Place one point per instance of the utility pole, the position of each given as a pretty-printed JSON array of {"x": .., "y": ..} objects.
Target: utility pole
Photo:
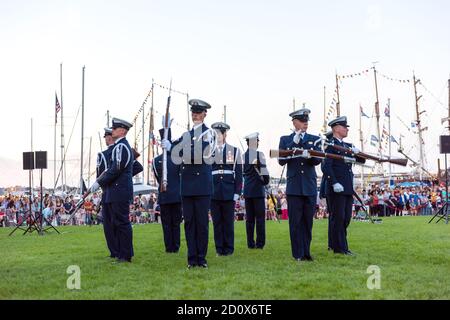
[
  {"x": 225, "y": 114},
  {"x": 419, "y": 125}
]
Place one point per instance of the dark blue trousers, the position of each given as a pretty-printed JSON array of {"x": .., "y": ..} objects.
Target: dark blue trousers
[
  {"x": 341, "y": 209},
  {"x": 196, "y": 227},
  {"x": 171, "y": 220},
  {"x": 120, "y": 212},
  {"x": 255, "y": 212},
  {"x": 301, "y": 213},
  {"x": 330, "y": 221},
  {"x": 223, "y": 220},
  {"x": 108, "y": 229}
]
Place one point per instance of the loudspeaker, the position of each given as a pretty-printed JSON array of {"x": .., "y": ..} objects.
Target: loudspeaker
[
  {"x": 28, "y": 160},
  {"x": 444, "y": 143},
  {"x": 41, "y": 159}
]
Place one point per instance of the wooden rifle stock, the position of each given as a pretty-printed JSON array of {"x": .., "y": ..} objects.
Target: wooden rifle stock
[
  {"x": 397, "y": 161},
  {"x": 313, "y": 153}
]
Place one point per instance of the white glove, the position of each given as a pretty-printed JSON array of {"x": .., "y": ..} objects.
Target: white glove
[
  {"x": 338, "y": 188},
  {"x": 166, "y": 144},
  {"x": 95, "y": 186},
  {"x": 236, "y": 197},
  {"x": 349, "y": 160},
  {"x": 355, "y": 150},
  {"x": 305, "y": 154},
  {"x": 164, "y": 121}
]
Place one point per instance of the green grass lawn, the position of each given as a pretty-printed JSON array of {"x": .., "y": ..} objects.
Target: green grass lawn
[{"x": 413, "y": 256}]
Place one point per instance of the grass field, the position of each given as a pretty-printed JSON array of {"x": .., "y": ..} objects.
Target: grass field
[{"x": 413, "y": 257}]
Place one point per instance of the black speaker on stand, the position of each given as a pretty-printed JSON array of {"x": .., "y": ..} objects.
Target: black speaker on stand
[
  {"x": 35, "y": 160},
  {"x": 28, "y": 164},
  {"x": 444, "y": 144}
]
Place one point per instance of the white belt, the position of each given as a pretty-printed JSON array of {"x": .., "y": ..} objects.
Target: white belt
[{"x": 222, "y": 172}]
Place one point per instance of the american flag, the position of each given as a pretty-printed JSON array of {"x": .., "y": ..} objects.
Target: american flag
[{"x": 57, "y": 107}]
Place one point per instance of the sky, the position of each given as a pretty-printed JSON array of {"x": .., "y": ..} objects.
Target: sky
[{"x": 255, "y": 57}]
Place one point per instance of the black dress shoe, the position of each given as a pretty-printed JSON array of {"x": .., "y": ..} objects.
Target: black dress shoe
[
  {"x": 121, "y": 261},
  {"x": 349, "y": 253},
  {"x": 204, "y": 265},
  {"x": 190, "y": 266},
  {"x": 308, "y": 258}
]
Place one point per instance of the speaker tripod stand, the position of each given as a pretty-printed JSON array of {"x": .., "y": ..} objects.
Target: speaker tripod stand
[{"x": 443, "y": 212}]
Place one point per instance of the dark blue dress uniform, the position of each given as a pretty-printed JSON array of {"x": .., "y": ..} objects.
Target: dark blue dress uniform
[
  {"x": 103, "y": 163},
  {"x": 194, "y": 150},
  {"x": 256, "y": 177},
  {"x": 301, "y": 192},
  {"x": 322, "y": 195},
  {"x": 227, "y": 181},
  {"x": 118, "y": 181},
  {"x": 169, "y": 201},
  {"x": 336, "y": 171}
]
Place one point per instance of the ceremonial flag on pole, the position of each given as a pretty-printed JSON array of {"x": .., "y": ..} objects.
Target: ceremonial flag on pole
[
  {"x": 393, "y": 140},
  {"x": 387, "y": 112},
  {"x": 373, "y": 140},
  {"x": 363, "y": 114},
  {"x": 57, "y": 107}
]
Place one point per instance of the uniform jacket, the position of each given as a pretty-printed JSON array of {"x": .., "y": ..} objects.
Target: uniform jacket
[
  {"x": 301, "y": 173},
  {"x": 196, "y": 176},
  {"x": 227, "y": 173},
  {"x": 336, "y": 171},
  {"x": 172, "y": 194},
  {"x": 118, "y": 176},
  {"x": 254, "y": 182}
]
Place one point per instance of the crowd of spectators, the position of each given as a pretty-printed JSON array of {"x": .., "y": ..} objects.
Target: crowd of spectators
[{"x": 378, "y": 200}]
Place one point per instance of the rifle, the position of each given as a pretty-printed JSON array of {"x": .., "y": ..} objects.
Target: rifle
[
  {"x": 78, "y": 205},
  {"x": 313, "y": 153},
  {"x": 397, "y": 161},
  {"x": 166, "y": 134},
  {"x": 362, "y": 205}
]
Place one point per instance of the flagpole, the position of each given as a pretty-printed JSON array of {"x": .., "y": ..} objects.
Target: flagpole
[
  {"x": 390, "y": 140},
  {"x": 362, "y": 143},
  {"x": 150, "y": 149},
  {"x": 324, "y": 109},
  {"x": 54, "y": 147},
  {"x": 89, "y": 164},
  {"x": 82, "y": 130},
  {"x": 62, "y": 132},
  {"x": 338, "y": 103},
  {"x": 143, "y": 141}
]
